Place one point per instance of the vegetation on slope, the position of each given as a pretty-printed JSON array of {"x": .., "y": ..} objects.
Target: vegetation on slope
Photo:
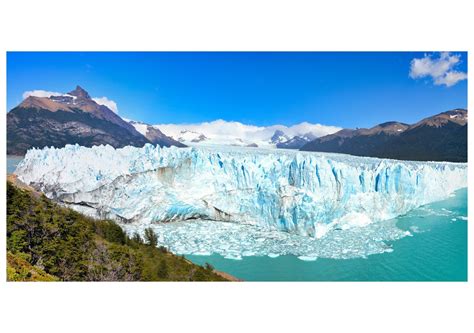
[
  {"x": 47, "y": 242},
  {"x": 18, "y": 269}
]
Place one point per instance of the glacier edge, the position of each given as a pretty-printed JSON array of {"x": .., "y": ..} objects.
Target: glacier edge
[{"x": 305, "y": 193}]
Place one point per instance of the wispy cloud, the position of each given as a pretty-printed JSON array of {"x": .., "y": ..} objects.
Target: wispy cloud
[
  {"x": 107, "y": 102},
  {"x": 40, "y": 93},
  {"x": 441, "y": 68}
]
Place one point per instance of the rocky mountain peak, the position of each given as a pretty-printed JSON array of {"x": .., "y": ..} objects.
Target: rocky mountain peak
[
  {"x": 79, "y": 92},
  {"x": 456, "y": 116},
  {"x": 278, "y": 137}
]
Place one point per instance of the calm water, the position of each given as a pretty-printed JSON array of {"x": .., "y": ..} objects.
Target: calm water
[
  {"x": 12, "y": 162},
  {"x": 437, "y": 251}
]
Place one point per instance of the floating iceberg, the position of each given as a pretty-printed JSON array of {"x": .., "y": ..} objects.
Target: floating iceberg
[{"x": 302, "y": 193}]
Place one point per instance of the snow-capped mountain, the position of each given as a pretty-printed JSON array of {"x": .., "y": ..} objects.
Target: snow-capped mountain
[
  {"x": 232, "y": 133},
  {"x": 279, "y": 137},
  {"x": 154, "y": 135},
  {"x": 191, "y": 136},
  {"x": 297, "y": 142}
]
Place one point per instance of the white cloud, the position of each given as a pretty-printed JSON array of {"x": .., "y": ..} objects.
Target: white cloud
[
  {"x": 451, "y": 78},
  {"x": 107, "y": 102},
  {"x": 229, "y": 132},
  {"x": 40, "y": 93},
  {"x": 440, "y": 68}
]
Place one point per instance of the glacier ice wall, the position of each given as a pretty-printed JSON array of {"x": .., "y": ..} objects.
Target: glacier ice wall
[{"x": 301, "y": 192}]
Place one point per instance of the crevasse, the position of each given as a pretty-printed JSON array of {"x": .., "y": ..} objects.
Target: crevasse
[{"x": 299, "y": 192}]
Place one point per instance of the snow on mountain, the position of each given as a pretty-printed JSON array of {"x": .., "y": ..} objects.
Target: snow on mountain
[
  {"x": 141, "y": 128},
  {"x": 153, "y": 134},
  {"x": 191, "y": 136},
  {"x": 303, "y": 193},
  {"x": 279, "y": 137},
  {"x": 221, "y": 132}
]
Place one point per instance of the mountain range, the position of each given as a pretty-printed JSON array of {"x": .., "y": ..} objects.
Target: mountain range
[
  {"x": 75, "y": 117},
  {"x": 72, "y": 118},
  {"x": 442, "y": 137},
  {"x": 233, "y": 133}
]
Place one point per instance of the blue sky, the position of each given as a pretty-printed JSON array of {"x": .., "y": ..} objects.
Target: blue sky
[{"x": 346, "y": 89}]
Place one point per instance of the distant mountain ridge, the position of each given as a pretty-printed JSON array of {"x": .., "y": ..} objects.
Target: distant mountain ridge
[
  {"x": 234, "y": 133},
  {"x": 68, "y": 119},
  {"x": 442, "y": 137},
  {"x": 154, "y": 135}
]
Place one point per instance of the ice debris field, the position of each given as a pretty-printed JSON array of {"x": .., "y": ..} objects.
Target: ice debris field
[{"x": 239, "y": 201}]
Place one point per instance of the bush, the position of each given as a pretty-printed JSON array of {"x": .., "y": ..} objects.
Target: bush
[
  {"x": 162, "y": 249},
  {"x": 110, "y": 231},
  {"x": 208, "y": 267}
]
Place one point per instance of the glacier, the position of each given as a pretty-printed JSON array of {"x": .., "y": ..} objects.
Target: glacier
[{"x": 306, "y": 195}]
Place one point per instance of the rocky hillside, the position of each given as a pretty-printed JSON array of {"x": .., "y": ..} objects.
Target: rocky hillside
[
  {"x": 442, "y": 137},
  {"x": 68, "y": 119}
]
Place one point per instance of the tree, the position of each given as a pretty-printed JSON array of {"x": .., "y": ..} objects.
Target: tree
[
  {"x": 150, "y": 237},
  {"x": 137, "y": 239}
]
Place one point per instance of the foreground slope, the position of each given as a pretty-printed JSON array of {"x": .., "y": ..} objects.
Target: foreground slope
[
  {"x": 442, "y": 137},
  {"x": 46, "y": 242}
]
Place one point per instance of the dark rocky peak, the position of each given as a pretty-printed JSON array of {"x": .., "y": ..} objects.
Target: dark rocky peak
[
  {"x": 79, "y": 93},
  {"x": 389, "y": 127},
  {"x": 456, "y": 116},
  {"x": 279, "y": 136},
  {"x": 392, "y": 124},
  {"x": 309, "y": 136}
]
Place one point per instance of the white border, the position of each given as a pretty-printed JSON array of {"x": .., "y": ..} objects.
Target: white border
[{"x": 234, "y": 25}]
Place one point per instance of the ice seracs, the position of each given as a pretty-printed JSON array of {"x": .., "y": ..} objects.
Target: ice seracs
[{"x": 304, "y": 193}]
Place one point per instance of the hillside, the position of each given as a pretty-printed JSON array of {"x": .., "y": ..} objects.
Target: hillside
[
  {"x": 46, "y": 242},
  {"x": 442, "y": 137}
]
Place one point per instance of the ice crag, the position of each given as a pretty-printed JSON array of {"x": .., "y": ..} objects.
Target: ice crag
[{"x": 304, "y": 193}]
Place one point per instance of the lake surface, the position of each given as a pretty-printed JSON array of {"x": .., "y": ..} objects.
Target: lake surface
[
  {"x": 12, "y": 162},
  {"x": 435, "y": 251}
]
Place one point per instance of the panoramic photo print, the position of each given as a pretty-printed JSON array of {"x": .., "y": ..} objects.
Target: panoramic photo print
[{"x": 237, "y": 166}]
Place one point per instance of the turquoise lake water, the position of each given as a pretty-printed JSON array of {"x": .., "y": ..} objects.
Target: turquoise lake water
[
  {"x": 436, "y": 251},
  {"x": 12, "y": 162}
]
